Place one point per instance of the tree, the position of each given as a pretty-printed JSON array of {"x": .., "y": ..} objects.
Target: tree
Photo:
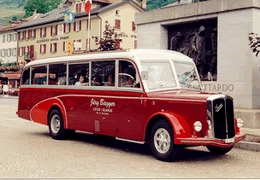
[{"x": 43, "y": 6}]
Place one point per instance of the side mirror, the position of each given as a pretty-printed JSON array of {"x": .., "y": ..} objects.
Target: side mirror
[{"x": 144, "y": 75}]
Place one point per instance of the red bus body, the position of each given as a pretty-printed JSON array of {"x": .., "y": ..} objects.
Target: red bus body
[{"x": 127, "y": 115}]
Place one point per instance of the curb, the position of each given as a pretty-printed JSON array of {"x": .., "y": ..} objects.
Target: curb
[
  {"x": 252, "y": 146},
  {"x": 9, "y": 97},
  {"x": 251, "y": 142}
]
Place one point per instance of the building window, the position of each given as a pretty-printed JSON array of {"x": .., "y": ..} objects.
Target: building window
[
  {"x": 54, "y": 30},
  {"x": 77, "y": 26},
  {"x": 117, "y": 12},
  {"x": 133, "y": 26},
  {"x": 67, "y": 27},
  {"x": 43, "y": 48},
  {"x": 14, "y": 52},
  {"x": 53, "y": 47},
  {"x": 9, "y": 37},
  {"x": 20, "y": 51},
  {"x": 78, "y": 7},
  {"x": 27, "y": 35},
  {"x": 15, "y": 37},
  {"x": 21, "y": 36},
  {"x": 3, "y": 53},
  {"x": 117, "y": 24},
  {"x": 3, "y": 38},
  {"x": 43, "y": 32},
  {"x": 8, "y": 52},
  {"x": 33, "y": 34}
]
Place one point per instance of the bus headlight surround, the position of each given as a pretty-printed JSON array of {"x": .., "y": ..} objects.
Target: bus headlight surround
[{"x": 197, "y": 126}]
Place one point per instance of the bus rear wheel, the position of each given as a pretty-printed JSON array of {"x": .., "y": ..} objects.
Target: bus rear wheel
[
  {"x": 56, "y": 126},
  {"x": 162, "y": 141}
]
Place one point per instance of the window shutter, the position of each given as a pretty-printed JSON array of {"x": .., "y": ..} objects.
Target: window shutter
[
  {"x": 45, "y": 31},
  {"x": 133, "y": 26},
  {"x": 69, "y": 27},
  {"x": 79, "y": 42},
  {"x": 18, "y": 51},
  {"x": 80, "y": 7},
  {"x": 79, "y": 25},
  {"x": 51, "y": 48},
  {"x": 64, "y": 46},
  {"x": 40, "y": 32},
  {"x": 44, "y": 48},
  {"x": 64, "y": 28},
  {"x": 18, "y": 36},
  {"x": 55, "y": 44},
  {"x": 73, "y": 45},
  {"x": 23, "y": 50},
  {"x": 75, "y": 26},
  {"x": 40, "y": 48},
  {"x": 135, "y": 44},
  {"x": 34, "y": 33},
  {"x": 56, "y": 29},
  {"x": 77, "y": 7},
  {"x": 51, "y": 30},
  {"x": 117, "y": 24}
]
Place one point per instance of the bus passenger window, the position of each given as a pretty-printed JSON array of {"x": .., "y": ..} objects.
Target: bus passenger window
[
  {"x": 79, "y": 74},
  {"x": 26, "y": 77},
  {"x": 39, "y": 75},
  {"x": 57, "y": 74},
  {"x": 103, "y": 73},
  {"x": 127, "y": 76}
]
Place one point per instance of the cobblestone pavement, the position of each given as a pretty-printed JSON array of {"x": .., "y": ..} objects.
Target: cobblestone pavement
[{"x": 27, "y": 150}]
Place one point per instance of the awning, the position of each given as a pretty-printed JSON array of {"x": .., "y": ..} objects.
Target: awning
[{"x": 12, "y": 75}]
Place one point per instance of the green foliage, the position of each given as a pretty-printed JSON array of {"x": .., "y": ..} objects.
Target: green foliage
[{"x": 42, "y": 6}]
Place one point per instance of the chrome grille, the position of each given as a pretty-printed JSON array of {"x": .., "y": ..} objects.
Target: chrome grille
[{"x": 220, "y": 111}]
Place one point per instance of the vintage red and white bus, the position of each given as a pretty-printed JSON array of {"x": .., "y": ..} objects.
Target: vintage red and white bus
[{"x": 144, "y": 96}]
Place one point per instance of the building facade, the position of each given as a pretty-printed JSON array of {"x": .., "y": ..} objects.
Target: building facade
[
  {"x": 8, "y": 41},
  {"x": 47, "y": 35}
]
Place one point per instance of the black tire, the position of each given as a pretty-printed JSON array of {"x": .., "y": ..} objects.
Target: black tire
[
  {"x": 57, "y": 132},
  {"x": 219, "y": 150},
  {"x": 163, "y": 128}
]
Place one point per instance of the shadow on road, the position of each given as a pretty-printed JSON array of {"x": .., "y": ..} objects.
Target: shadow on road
[{"x": 185, "y": 154}]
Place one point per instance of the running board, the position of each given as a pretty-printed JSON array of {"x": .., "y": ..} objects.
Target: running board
[{"x": 128, "y": 140}]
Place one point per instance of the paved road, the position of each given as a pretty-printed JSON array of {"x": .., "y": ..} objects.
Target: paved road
[{"x": 28, "y": 151}]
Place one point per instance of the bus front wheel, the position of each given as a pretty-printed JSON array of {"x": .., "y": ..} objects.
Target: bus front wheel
[
  {"x": 162, "y": 141},
  {"x": 56, "y": 125}
]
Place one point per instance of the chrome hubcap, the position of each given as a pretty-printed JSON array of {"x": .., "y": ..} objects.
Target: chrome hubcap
[
  {"x": 162, "y": 140},
  {"x": 55, "y": 124}
]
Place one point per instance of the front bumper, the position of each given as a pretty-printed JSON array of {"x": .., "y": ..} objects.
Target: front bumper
[{"x": 210, "y": 141}]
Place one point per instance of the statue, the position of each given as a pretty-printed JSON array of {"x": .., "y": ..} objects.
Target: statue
[
  {"x": 175, "y": 41},
  {"x": 199, "y": 46},
  {"x": 213, "y": 62}
]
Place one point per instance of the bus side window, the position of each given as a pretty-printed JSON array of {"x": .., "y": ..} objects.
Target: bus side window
[
  {"x": 127, "y": 76},
  {"x": 76, "y": 70},
  {"x": 57, "y": 74},
  {"x": 39, "y": 75},
  {"x": 103, "y": 73},
  {"x": 26, "y": 77}
]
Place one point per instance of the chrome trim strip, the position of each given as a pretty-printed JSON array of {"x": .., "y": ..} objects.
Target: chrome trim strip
[{"x": 128, "y": 140}]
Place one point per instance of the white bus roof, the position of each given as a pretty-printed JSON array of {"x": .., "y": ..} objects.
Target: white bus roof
[{"x": 135, "y": 54}]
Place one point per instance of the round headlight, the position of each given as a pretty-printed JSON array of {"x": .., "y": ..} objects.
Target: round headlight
[
  {"x": 197, "y": 126},
  {"x": 240, "y": 122}
]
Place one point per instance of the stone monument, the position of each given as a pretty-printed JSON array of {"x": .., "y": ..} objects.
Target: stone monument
[{"x": 217, "y": 34}]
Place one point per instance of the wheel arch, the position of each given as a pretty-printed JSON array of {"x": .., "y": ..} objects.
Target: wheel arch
[
  {"x": 62, "y": 111},
  {"x": 179, "y": 125}
]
